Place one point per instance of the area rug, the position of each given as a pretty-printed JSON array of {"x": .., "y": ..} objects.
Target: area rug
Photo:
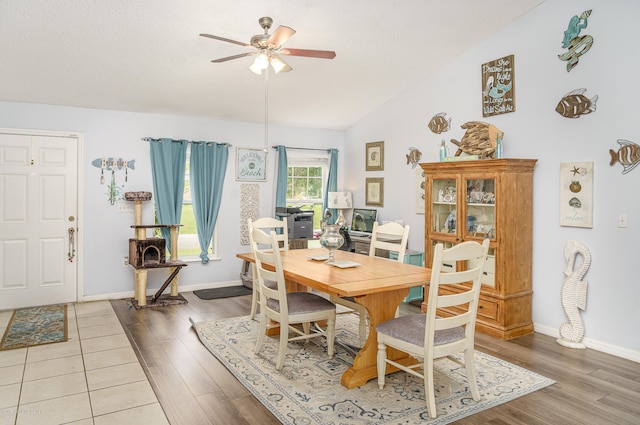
[
  {"x": 308, "y": 390},
  {"x": 162, "y": 300},
  {"x": 36, "y": 326},
  {"x": 226, "y": 292}
]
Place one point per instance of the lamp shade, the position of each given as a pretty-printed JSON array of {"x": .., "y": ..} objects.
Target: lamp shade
[{"x": 339, "y": 200}]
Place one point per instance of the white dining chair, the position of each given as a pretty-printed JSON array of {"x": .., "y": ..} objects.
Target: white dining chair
[
  {"x": 429, "y": 337},
  {"x": 287, "y": 308},
  {"x": 390, "y": 237},
  {"x": 282, "y": 235}
]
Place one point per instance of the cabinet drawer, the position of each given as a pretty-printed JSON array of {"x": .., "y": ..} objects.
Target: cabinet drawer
[
  {"x": 488, "y": 309},
  {"x": 362, "y": 248}
]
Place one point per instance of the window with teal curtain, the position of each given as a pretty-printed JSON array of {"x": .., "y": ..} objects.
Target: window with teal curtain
[
  {"x": 168, "y": 158},
  {"x": 208, "y": 166}
]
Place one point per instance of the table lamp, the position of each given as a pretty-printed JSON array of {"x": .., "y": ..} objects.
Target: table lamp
[{"x": 339, "y": 201}]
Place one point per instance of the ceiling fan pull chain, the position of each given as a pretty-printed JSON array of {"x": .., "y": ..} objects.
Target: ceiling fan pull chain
[{"x": 266, "y": 109}]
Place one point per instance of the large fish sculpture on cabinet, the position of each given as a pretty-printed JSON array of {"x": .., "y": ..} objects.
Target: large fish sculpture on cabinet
[
  {"x": 575, "y": 104},
  {"x": 628, "y": 155},
  {"x": 479, "y": 139}
]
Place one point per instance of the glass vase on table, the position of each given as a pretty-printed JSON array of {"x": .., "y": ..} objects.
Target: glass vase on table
[{"x": 331, "y": 239}]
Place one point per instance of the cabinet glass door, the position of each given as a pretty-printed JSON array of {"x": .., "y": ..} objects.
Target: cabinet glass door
[
  {"x": 443, "y": 208},
  {"x": 481, "y": 200}
]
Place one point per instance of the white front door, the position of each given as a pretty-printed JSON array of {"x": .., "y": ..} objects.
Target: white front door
[{"x": 38, "y": 213}]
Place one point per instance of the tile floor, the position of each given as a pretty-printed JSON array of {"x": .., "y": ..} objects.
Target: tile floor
[{"x": 92, "y": 379}]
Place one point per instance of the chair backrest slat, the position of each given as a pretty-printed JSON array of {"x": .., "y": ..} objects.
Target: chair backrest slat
[
  {"x": 390, "y": 237},
  {"x": 268, "y": 223}
]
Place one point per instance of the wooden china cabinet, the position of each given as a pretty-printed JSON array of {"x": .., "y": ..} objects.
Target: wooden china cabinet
[{"x": 472, "y": 200}]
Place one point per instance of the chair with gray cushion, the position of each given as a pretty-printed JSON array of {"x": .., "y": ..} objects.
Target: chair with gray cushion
[
  {"x": 266, "y": 224},
  {"x": 390, "y": 237},
  {"x": 429, "y": 337},
  {"x": 287, "y": 308}
]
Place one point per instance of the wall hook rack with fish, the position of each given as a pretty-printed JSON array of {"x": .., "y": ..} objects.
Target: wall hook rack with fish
[{"x": 113, "y": 164}]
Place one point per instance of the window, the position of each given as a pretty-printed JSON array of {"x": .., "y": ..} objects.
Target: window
[
  {"x": 188, "y": 245},
  {"x": 306, "y": 182}
]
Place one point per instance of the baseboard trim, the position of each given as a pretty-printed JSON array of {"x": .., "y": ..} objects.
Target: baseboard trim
[
  {"x": 152, "y": 291},
  {"x": 614, "y": 350}
]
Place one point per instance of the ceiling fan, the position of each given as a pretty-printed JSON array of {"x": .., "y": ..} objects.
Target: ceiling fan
[{"x": 269, "y": 47}]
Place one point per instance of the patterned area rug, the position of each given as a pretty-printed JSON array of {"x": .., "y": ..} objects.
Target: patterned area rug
[
  {"x": 308, "y": 390},
  {"x": 36, "y": 326}
]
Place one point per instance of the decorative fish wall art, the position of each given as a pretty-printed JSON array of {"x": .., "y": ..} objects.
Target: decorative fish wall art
[
  {"x": 575, "y": 104},
  {"x": 576, "y": 45},
  {"x": 628, "y": 155},
  {"x": 440, "y": 123},
  {"x": 413, "y": 157}
]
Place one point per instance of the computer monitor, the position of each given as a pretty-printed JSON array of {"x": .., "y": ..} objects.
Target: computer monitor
[{"x": 362, "y": 221}]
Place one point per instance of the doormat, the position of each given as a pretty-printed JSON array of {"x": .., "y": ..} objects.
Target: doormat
[
  {"x": 36, "y": 326},
  {"x": 226, "y": 292},
  {"x": 308, "y": 390},
  {"x": 162, "y": 300}
]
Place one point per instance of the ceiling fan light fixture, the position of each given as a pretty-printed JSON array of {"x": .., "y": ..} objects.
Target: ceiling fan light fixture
[
  {"x": 279, "y": 65},
  {"x": 261, "y": 62}
]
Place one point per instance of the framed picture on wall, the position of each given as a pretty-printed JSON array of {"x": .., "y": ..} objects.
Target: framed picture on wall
[
  {"x": 375, "y": 156},
  {"x": 576, "y": 194},
  {"x": 251, "y": 164},
  {"x": 374, "y": 191}
]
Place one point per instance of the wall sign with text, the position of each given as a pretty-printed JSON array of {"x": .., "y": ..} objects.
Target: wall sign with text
[
  {"x": 498, "y": 87},
  {"x": 251, "y": 164}
]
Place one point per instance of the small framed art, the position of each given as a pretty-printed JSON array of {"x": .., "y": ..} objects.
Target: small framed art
[
  {"x": 374, "y": 191},
  {"x": 251, "y": 164},
  {"x": 576, "y": 194},
  {"x": 375, "y": 156}
]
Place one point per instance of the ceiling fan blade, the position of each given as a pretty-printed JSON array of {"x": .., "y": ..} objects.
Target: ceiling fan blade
[
  {"x": 279, "y": 36},
  {"x": 228, "y": 58},
  {"x": 322, "y": 54},
  {"x": 215, "y": 37}
]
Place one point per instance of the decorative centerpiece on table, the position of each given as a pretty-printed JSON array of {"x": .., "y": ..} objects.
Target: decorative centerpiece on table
[{"x": 331, "y": 239}]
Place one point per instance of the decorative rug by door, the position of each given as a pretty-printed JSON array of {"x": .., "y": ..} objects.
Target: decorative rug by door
[
  {"x": 308, "y": 390},
  {"x": 36, "y": 326}
]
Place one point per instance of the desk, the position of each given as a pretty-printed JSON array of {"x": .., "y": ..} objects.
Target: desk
[{"x": 378, "y": 284}]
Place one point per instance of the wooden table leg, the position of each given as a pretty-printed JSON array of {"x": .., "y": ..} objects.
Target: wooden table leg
[{"x": 381, "y": 307}]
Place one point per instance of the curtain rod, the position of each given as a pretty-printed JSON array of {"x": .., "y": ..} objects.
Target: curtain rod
[
  {"x": 149, "y": 139},
  {"x": 304, "y": 149}
]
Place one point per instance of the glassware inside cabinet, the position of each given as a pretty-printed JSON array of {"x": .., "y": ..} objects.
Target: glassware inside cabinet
[
  {"x": 481, "y": 200},
  {"x": 443, "y": 194}
]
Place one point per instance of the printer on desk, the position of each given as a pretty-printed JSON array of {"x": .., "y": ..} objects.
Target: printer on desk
[{"x": 299, "y": 223}]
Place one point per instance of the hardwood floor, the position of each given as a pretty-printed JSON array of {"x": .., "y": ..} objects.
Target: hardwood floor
[{"x": 194, "y": 388}]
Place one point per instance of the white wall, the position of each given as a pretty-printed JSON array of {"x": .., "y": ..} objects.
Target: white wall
[
  {"x": 106, "y": 232},
  {"x": 610, "y": 70}
]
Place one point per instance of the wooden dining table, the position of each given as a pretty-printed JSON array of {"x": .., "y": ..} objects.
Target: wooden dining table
[{"x": 378, "y": 284}]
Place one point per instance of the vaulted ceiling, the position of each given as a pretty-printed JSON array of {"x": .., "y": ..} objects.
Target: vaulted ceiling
[{"x": 147, "y": 55}]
